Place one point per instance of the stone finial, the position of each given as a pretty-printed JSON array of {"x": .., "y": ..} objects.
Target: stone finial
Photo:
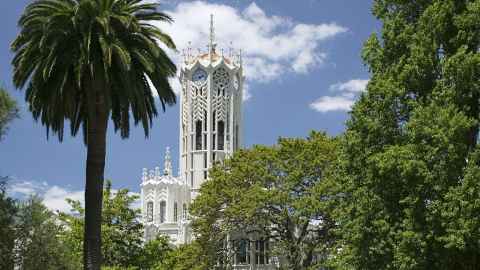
[
  {"x": 144, "y": 174},
  {"x": 168, "y": 163},
  {"x": 151, "y": 174},
  {"x": 212, "y": 36},
  {"x": 211, "y": 45},
  {"x": 157, "y": 171}
]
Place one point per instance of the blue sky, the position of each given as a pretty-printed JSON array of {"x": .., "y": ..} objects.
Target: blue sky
[{"x": 303, "y": 72}]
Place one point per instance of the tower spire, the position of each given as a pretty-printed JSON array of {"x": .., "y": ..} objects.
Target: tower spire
[
  {"x": 168, "y": 163},
  {"x": 212, "y": 44}
]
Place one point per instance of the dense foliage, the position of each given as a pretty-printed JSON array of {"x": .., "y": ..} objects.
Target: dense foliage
[
  {"x": 38, "y": 243},
  {"x": 409, "y": 166},
  {"x": 185, "y": 257},
  {"x": 8, "y": 111},
  {"x": 8, "y": 211},
  {"x": 30, "y": 236},
  {"x": 121, "y": 229},
  {"x": 155, "y": 253},
  {"x": 33, "y": 237},
  {"x": 278, "y": 193}
]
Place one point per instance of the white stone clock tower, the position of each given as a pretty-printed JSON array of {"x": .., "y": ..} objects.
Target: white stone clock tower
[
  {"x": 210, "y": 131},
  {"x": 210, "y": 113}
]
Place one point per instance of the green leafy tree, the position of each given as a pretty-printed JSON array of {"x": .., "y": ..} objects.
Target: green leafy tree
[
  {"x": 8, "y": 111},
  {"x": 185, "y": 257},
  {"x": 38, "y": 244},
  {"x": 74, "y": 227},
  {"x": 277, "y": 192},
  {"x": 86, "y": 61},
  {"x": 155, "y": 252},
  {"x": 459, "y": 216},
  {"x": 121, "y": 229},
  {"x": 8, "y": 211},
  {"x": 409, "y": 152}
]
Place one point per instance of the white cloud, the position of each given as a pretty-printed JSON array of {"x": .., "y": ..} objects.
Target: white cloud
[
  {"x": 332, "y": 103},
  {"x": 343, "y": 101},
  {"x": 271, "y": 45},
  {"x": 352, "y": 86},
  {"x": 54, "y": 197},
  {"x": 23, "y": 188}
]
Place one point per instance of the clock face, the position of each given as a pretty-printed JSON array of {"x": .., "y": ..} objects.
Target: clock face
[{"x": 199, "y": 76}]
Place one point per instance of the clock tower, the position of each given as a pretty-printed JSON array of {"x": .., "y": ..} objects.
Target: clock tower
[
  {"x": 210, "y": 131},
  {"x": 211, "y": 111}
]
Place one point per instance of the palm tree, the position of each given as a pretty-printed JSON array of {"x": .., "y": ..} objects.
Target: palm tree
[{"x": 86, "y": 61}]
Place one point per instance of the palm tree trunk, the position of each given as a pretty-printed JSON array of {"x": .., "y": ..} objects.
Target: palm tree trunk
[{"x": 96, "y": 153}]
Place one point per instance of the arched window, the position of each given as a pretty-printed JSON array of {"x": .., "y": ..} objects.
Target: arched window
[
  {"x": 205, "y": 160},
  {"x": 198, "y": 135},
  {"x": 221, "y": 133},
  {"x": 214, "y": 140},
  {"x": 214, "y": 127},
  {"x": 175, "y": 212},
  {"x": 150, "y": 211},
  {"x": 214, "y": 120},
  {"x": 163, "y": 206},
  {"x": 205, "y": 120},
  {"x": 185, "y": 211}
]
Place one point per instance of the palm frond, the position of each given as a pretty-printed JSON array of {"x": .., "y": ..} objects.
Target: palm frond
[{"x": 70, "y": 52}]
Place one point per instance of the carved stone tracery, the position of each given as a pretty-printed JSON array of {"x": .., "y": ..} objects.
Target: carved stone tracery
[
  {"x": 221, "y": 94},
  {"x": 199, "y": 101},
  {"x": 221, "y": 78}
]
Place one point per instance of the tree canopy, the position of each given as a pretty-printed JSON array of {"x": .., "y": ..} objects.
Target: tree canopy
[
  {"x": 8, "y": 211},
  {"x": 409, "y": 154},
  {"x": 185, "y": 257},
  {"x": 38, "y": 243},
  {"x": 122, "y": 231},
  {"x": 8, "y": 111},
  {"x": 277, "y": 192}
]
